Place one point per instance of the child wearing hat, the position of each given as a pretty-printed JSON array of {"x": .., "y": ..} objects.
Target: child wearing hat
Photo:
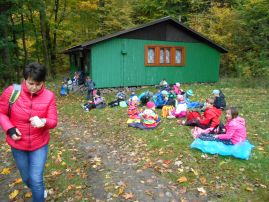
[
  {"x": 219, "y": 100},
  {"x": 133, "y": 111},
  {"x": 177, "y": 89},
  {"x": 181, "y": 108},
  {"x": 191, "y": 104},
  {"x": 149, "y": 119}
]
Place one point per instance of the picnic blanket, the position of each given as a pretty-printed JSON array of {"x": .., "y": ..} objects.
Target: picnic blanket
[{"x": 241, "y": 150}]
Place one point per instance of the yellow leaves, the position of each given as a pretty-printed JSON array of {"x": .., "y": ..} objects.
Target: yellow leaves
[
  {"x": 194, "y": 172},
  {"x": 88, "y": 5},
  {"x": 121, "y": 190},
  {"x": 17, "y": 181},
  {"x": 28, "y": 195},
  {"x": 250, "y": 189},
  {"x": 96, "y": 162},
  {"x": 182, "y": 179},
  {"x": 203, "y": 180},
  {"x": 5, "y": 171},
  {"x": 127, "y": 196},
  {"x": 260, "y": 148},
  {"x": 13, "y": 194},
  {"x": 202, "y": 191}
]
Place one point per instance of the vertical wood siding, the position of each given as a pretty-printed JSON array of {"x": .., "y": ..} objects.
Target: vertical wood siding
[{"x": 120, "y": 62}]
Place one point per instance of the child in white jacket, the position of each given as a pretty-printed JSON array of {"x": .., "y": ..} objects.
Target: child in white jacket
[{"x": 181, "y": 108}]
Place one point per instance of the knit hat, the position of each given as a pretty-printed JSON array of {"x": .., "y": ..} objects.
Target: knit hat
[
  {"x": 134, "y": 98},
  {"x": 150, "y": 105},
  {"x": 180, "y": 97},
  {"x": 164, "y": 92},
  {"x": 178, "y": 84},
  {"x": 215, "y": 92},
  {"x": 189, "y": 92}
]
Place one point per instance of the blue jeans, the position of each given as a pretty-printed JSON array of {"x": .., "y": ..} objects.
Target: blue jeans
[{"x": 31, "y": 165}]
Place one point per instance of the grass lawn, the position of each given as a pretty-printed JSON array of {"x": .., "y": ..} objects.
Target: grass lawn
[
  {"x": 166, "y": 149},
  {"x": 223, "y": 178}
]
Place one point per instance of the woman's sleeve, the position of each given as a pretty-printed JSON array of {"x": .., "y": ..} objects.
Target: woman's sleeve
[
  {"x": 52, "y": 114},
  {"x": 4, "y": 103}
]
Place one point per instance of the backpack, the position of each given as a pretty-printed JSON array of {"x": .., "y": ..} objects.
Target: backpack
[{"x": 14, "y": 96}]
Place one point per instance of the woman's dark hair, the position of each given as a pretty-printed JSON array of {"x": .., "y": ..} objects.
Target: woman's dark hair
[
  {"x": 35, "y": 71},
  {"x": 234, "y": 111}
]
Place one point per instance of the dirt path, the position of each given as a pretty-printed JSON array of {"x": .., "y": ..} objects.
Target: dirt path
[{"x": 115, "y": 174}]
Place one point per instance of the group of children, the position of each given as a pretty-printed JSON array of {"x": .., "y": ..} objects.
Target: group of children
[
  {"x": 203, "y": 117},
  {"x": 175, "y": 104}
]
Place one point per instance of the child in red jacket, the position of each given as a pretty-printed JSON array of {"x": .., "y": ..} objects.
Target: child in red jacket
[{"x": 210, "y": 118}]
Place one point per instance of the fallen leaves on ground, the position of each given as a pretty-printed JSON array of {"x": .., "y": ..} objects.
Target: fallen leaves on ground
[
  {"x": 182, "y": 179},
  {"x": 5, "y": 171},
  {"x": 13, "y": 194},
  {"x": 128, "y": 196},
  {"x": 202, "y": 191}
]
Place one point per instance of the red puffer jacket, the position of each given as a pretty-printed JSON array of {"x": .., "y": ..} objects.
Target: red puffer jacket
[
  {"x": 41, "y": 104},
  {"x": 211, "y": 116}
]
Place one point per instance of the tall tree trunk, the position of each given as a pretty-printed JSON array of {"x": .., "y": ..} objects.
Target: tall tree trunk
[
  {"x": 45, "y": 38},
  {"x": 54, "y": 45},
  {"x": 102, "y": 3},
  {"x": 4, "y": 51},
  {"x": 31, "y": 19},
  {"x": 16, "y": 49},
  {"x": 24, "y": 41}
]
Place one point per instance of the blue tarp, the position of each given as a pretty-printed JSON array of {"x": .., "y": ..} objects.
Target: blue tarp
[{"x": 241, "y": 150}]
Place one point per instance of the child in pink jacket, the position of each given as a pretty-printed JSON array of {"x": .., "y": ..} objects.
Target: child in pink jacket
[{"x": 235, "y": 129}]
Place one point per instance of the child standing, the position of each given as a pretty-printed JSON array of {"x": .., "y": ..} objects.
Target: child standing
[
  {"x": 90, "y": 87},
  {"x": 235, "y": 129}
]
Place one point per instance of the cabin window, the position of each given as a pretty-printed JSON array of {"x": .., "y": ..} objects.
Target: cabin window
[
  {"x": 164, "y": 55},
  {"x": 151, "y": 55}
]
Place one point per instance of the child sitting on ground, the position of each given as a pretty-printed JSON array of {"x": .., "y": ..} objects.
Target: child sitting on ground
[
  {"x": 219, "y": 101},
  {"x": 177, "y": 89},
  {"x": 64, "y": 89},
  {"x": 235, "y": 129},
  {"x": 120, "y": 96},
  {"x": 98, "y": 102},
  {"x": 133, "y": 111},
  {"x": 181, "y": 109},
  {"x": 190, "y": 104},
  {"x": 145, "y": 97},
  {"x": 149, "y": 119},
  {"x": 163, "y": 85},
  {"x": 210, "y": 119}
]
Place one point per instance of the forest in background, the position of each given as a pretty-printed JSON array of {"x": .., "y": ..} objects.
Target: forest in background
[{"x": 40, "y": 30}]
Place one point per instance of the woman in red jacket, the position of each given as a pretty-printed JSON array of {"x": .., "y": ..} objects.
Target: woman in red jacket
[{"x": 27, "y": 126}]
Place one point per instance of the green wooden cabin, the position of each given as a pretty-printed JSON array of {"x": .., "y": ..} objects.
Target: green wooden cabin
[{"x": 144, "y": 55}]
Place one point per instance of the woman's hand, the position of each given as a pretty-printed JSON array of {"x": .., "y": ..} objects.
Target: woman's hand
[
  {"x": 16, "y": 136},
  {"x": 36, "y": 122}
]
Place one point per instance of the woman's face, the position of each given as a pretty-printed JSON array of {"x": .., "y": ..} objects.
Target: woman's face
[
  {"x": 33, "y": 86},
  {"x": 228, "y": 115}
]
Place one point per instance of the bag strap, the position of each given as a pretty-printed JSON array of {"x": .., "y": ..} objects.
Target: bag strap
[{"x": 14, "y": 96}]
